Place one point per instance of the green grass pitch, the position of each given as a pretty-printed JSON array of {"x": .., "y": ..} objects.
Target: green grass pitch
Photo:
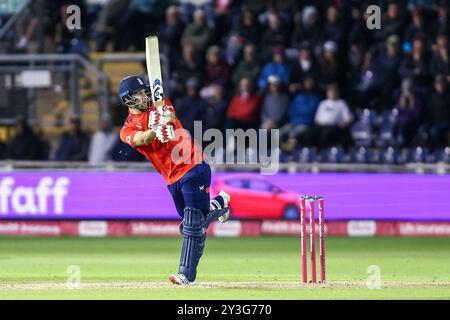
[{"x": 231, "y": 268}]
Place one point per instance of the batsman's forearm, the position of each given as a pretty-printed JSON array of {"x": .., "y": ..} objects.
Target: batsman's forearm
[{"x": 142, "y": 138}]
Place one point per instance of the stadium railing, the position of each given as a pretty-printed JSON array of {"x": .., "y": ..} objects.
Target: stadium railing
[
  {"x": 46, "y": 69},
  {"x": 435, "y": 168}
]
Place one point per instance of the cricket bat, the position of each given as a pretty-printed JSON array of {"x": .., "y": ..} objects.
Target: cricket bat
[{"x": 154, "y": 70}]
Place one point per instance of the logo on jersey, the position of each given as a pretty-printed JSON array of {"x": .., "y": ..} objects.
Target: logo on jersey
[
  {"x": 157, "y": 90},
  {"x": 139, "y": 127}
]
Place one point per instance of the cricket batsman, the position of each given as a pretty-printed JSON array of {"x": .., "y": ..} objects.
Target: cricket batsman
[{"x": 155, "y": 132}]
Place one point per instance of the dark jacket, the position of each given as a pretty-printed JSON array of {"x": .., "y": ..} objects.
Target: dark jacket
[
  {"x": 439, "y": 66},
  {"x": 438, "y": 108},
  {"x": 416, "y": 69},
  {"x": 73, "y": 147},
  {"x": 215, "y": 115},
  {"x": 189, "y": 109},
  {"x": 26, "y": 146},
  {"x": 247, "y": 70},
  {"x": 250, "y": 34},
  {"x": 170, "y": 40},
  {"x": 312, "y": 35},
  {"x": 385, "y": 67},
  {"x": 217, "y": 73}
]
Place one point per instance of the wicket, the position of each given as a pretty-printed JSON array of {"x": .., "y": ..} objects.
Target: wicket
[{"x": 312, "y": 237}]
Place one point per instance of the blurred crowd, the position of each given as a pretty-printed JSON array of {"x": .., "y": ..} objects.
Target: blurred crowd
[{"x": 312, "y": 69}]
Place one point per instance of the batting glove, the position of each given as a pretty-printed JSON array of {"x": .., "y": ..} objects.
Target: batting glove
[
  {"x": 155, "y": 120},
  {"x": 165, "y": 132},
  {"x": 161, "y": 116}
]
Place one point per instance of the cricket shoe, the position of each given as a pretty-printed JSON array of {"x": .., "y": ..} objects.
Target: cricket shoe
[
  {"x": 180, "y": 279},
  {"x": 226, "y": 199}
]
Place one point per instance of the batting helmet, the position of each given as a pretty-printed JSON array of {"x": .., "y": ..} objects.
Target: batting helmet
[{"x": 129, "y": 86}]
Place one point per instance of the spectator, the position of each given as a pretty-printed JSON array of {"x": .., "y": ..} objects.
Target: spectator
[
  {"x": 301, "y": 113},
  {"x": 25, "y": 145},
  {"x": 367, "y": 65},
  {"x": 277, "y": 67},
  {"x": 169, "y": 35},
  {"x": 438, "y": 114},
  {"x": 197, "y": 33},
  {"x": 331, "y": 121},
  {"x": 333, "y": 28},
  {"x": 217, "y": 69},
  {"x": 274, "y": 105},
  {"x": 359, "y": 35},
  {"x": 416, "y": 27},
  {"x": 233, "y": 48},
  {"x": 248, "y": 67},
  {"x": 393, "y": 23},
  {"x": 442, "y": 23},
  {"x": 216, "y": 110},
  {"x": 360, "y": 40},
  {"x": 66, "y": 40},
  {"x": 108, "y": 23},
  {"x": 416, "y": 66},
  {"x": 307, "y": 28},
  {"x": 248, "y": 27},
  {"x": 304, "y": 67},
  {"x": 440, "y": 62},
  {"x": 380, "y": 74},
  {"x": 188, "y": 67},
  {"x": 191, "y": 107},
  {"x": 140, "y": 19},
  {"x": 244, "y": 108},
  {"x": 102, "y": 141},
  {"x": 409, "y": 107},
  {"x": 275, "y": 34},
  {"x": 74, "y": 143},
  {"x": 46, "y": 15},
  {"x": 441, "y": 43},
  {"x": 330, "y": 69},
  {"x": 219, "y": 13},
  {"x": 27, "y": 25}
]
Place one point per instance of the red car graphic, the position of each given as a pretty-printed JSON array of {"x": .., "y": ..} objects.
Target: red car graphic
[{"x": 254, "y": 197}]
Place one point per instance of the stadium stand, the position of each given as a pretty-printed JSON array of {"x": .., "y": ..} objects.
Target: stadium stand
[{"x": 395, "y": 81}]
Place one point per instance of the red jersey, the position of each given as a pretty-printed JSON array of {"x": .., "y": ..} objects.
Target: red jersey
[
  {"x": 172, "y": 159},
  {"x": 244, "y": 109}
]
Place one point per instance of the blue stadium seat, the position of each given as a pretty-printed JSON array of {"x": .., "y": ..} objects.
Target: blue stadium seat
[
  {"x": 442, "y": 155},
  {"x": 286, "y": 156},
  {"x": 333, "y": 155},
  {"x": 360, "y": 155},
  {"x": 389, "y": 155},
  {"x": 305, "y": 155},
  {"x": 386, "y": 123},
  {"x": 418, "y": 154},
  {"x": 361, "y": 131}
]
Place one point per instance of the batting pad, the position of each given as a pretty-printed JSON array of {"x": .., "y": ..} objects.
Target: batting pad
[{"x": 193, "y": 242}]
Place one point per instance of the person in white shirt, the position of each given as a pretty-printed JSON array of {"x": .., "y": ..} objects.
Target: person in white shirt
[
  {"x": 331, "y": 121},
  {"x": 102, "y": 141}
]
